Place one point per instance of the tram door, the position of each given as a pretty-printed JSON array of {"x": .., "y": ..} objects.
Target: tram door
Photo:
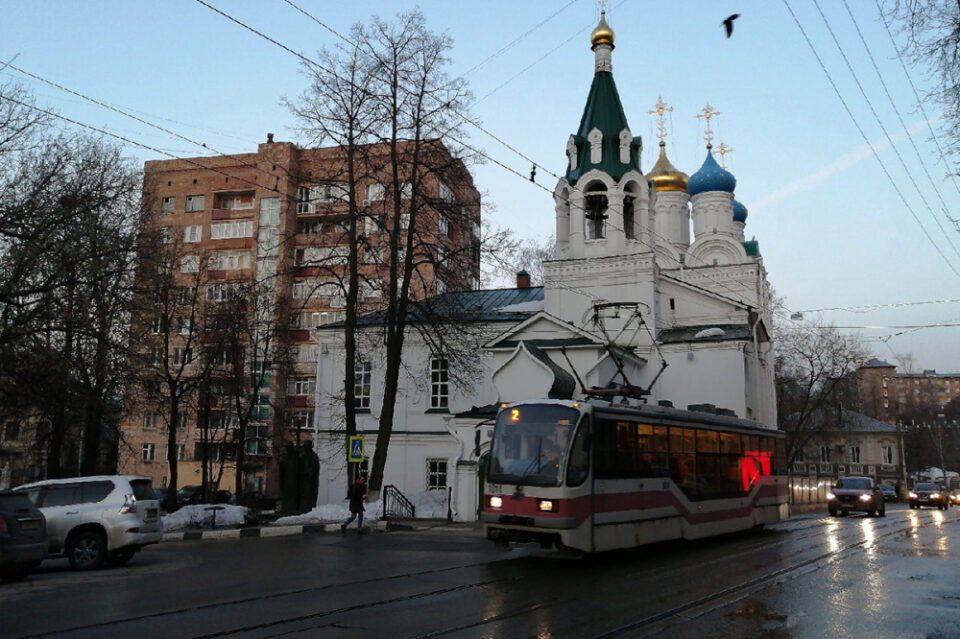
[{"x": 482, "y": 468}]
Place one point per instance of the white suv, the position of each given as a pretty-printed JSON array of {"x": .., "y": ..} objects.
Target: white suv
[{"x": 96, "y": 519}]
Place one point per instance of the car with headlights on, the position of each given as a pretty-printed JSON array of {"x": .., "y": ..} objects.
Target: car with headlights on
[
  {"x": 856, "y": 494},
  {"x": 97, "y": 520},
  {"x": 889, "y": 493},
  {"x": 928, "y": 494},
  {"x": 955, "y": 497},
  {"x": 23, "y": 536}
]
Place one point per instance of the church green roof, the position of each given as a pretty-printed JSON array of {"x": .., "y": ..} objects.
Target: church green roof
[{"x": 603, "y": 111}]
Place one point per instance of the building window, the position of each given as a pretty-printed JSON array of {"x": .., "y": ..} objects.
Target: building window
[
  {"x": 436, "y": 474},
  {"x": 375, "y": 192},
  {"x": 305, "y": 353},
  {"x": 234, "y": 201},
  {"x": 187, "y": 294},
  {"x": 184, "y": 325},
  {"x": 159, "y": 325},
  {"x": 194, "y": 203},
  {"x": 887, "y": 454},
  {"x": 853, "y": 454},
  {"x": 189, "y": 263},
  {"x": 628, "y": 218},
  {"x": 180, "y": 450},
  {"x": 222, "y": 292},
  {"x": 166, "y": 234},
  {"x": 231, "y": 230},
  {"x": 309, "y": 196},
  {"x": 439, "y": 390},
  {"x": 361, "y": 386},
  {"x": 182, "y": 356},
  {"x": 299, "y": 420},
  {"x": 229, "y": 261},
  {"x": 444, "y": 193},
  {"x": 301, "y": 386},
  {"x": 825, "y": 454},
  {"x": 151, "y": 421},
  {"x": 148, "y": 452},
  {"x": 192, "y": 233},
  {"x": 168, "y": 204}
]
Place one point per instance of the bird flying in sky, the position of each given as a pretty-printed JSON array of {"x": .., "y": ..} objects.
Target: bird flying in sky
[{"x": 728, "y": 23}]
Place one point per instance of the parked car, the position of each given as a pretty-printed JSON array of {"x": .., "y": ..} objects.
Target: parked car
[
  {"x": 100, "y": 519},
  {"x": 925, "y": 494},
  {"x": 161, "y": 494},
  {"x": 189, "y": 495},
  {"x": 955, "y": 498},
  {"x": 856, "y": 493},
  {"x": 23, "y": 536},
  {"x": 889, "y": 493}
]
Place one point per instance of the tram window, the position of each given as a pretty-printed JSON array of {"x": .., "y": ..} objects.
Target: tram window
[
  {"x": 660, "y": 439},
  {"x": 729, "y": 443},
  {"x": 780, "y": 458},
  {"x": 683, "y": 469},
  {"x": 579, "y": 465},
  {"x": 682, "y": 440},
  {"x": 708, "y": 441}
]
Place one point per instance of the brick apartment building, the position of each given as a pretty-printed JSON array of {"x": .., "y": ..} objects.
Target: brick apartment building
[
  {"x": 276, "y": 219},
  {"x": 893, "y": 397}
]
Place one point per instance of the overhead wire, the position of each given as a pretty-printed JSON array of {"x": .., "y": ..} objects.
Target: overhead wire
[
  {"x": 951, "y": 173},
  {"x": 883, "y": 128},
  {"x": 876, "y": 155}
]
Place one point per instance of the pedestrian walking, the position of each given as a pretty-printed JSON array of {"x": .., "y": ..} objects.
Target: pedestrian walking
[{"x": 357, "y": 493}]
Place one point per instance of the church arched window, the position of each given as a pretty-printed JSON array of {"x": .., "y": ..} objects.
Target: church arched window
[
  {"x": 629, "y": 212},
  {"x": 595, "y": 214}
]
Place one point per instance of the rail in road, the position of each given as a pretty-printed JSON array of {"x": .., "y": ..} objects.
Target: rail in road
[{"x": 522, "y": 595}]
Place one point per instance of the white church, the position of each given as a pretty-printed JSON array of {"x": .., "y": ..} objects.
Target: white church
[{"x": 652, "y": 287}]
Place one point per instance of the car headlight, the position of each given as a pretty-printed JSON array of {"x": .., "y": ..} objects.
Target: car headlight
[
  {"x": 831, "y": 496},
  {"x": 866, "y": 497},
  {"x": 913, "y": 495},
  {"x": 934, "y": 495},
  {"x": 495, "y": 501}
]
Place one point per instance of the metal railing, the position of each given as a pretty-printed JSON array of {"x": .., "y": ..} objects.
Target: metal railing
[{"x": 395, "y": 505}]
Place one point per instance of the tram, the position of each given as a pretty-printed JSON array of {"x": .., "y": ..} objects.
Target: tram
[{"x": 594, "y": 476}]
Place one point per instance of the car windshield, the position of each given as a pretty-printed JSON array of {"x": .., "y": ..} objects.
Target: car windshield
[
  {"x": 887, "y": 489},
  {"x": 856, "y": 483},
  {"x": 925, "y": 487},
  {"x": 530, "y": 444}
]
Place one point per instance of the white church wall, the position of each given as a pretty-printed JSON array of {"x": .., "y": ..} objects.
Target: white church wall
[{"x": 710, "y": 376}]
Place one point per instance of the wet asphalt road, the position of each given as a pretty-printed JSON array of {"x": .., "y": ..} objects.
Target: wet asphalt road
[{"x": 813, "y": 576}]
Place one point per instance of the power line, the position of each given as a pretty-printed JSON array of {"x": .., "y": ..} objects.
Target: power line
[
  {"x": 876, "y": 116},
  {"x": 867, "y": 308},
  {"x": 867, "y": 140},
  {"x": 933, "y": 136},
  {"x": 903, "y": 124}
]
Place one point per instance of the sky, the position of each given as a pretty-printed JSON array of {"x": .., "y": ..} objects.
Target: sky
[{"x": 847, "y": 193}]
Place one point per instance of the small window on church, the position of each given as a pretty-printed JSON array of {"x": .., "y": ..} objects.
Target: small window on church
[
  {"x": 596, "y": 214},
  {"x": 628, "y": 217}
]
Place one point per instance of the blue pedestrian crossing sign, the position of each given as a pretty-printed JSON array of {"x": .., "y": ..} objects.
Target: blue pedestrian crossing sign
[{"x": 356, "y": 449}]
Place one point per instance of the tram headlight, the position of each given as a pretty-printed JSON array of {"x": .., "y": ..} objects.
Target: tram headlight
[
  {"x": 495, "y": 501},
  {"x": 547, "y": 505}
]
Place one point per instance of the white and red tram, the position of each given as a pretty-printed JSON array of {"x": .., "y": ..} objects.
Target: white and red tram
[{"x": 594, "y": 476}]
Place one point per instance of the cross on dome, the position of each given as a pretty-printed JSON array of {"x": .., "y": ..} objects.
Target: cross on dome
[
  {"x": 722, "y": 151},
  {"x": 660, "y": 109},
  {"x": 706, "y": 114}
]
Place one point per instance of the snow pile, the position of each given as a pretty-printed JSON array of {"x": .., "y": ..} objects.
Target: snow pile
[
  {"x": 200, "y": 516},
  {"x": 431, "y": 504}
]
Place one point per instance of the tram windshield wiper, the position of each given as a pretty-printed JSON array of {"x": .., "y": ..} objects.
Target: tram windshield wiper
[{"x": 534, "y": 463}]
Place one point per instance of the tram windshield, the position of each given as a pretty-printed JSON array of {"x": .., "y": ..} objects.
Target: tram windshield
[{"x": 530, "y": 444}]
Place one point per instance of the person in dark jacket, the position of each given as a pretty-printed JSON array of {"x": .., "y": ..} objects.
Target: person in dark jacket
[{"x": 357, "y": 493}]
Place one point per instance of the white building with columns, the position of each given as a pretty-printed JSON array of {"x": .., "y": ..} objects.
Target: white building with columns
[{"x": 633, "y": 299}]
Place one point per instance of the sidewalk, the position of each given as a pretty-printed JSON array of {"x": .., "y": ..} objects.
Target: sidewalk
[{"x": 269, "y": 530}]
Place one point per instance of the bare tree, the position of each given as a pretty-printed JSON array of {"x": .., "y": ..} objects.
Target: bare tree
[
  {"x": 815, "y": 371},
  {"x": 68, "y": 210}
]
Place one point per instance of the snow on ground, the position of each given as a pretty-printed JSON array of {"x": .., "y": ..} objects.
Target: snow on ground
[
  {"x": 200, "y": 516},
  {"x": 431, "y": 504}
]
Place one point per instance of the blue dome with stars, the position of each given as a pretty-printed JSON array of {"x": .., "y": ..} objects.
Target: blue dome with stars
[
  {"x": 739, "y": 212},
  {"x": 711, "y": 177}
]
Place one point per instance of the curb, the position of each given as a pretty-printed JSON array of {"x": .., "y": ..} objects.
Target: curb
[{"x": 262, "y": 531}]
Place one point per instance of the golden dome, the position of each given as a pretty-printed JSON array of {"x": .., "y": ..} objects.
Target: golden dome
[
  {"x": 603, "y": 34},
  {"x": 665, "y": 176}
]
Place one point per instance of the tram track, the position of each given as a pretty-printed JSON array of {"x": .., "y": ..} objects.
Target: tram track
[{"x": 802, "y": 534}]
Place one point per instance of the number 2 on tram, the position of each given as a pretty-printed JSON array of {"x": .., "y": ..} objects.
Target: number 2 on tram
[{"x": 592, "y": 476}]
